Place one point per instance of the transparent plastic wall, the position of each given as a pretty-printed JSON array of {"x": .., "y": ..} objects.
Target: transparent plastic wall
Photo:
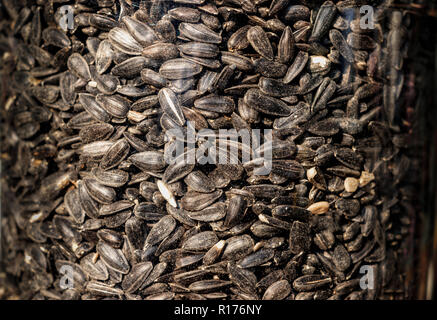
[{"x": 218, "y": 149}]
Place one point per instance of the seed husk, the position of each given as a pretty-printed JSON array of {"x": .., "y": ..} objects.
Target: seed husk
[
  {"x": 277, "y": 291},
  {"x": 160, "y": 230},
  {"x": 199, "y": 32},
  {"x": 319, "y": 207},
  {"x": 179, "y": 69},
  {"x": 296, "y": 67},
  {"x": 255, "y": 99},
  {"x": 260, "y": 42}
]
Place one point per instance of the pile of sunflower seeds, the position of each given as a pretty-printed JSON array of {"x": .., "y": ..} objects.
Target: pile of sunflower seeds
[{"x": 90, "y": 207}]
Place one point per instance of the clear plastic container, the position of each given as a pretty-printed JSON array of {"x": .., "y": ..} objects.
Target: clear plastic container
[{"x": 96, "y": 96}]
